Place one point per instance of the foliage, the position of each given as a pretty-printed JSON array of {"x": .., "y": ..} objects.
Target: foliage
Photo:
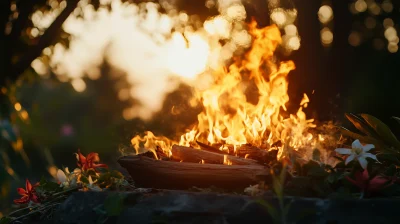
[
  {"x": 363, "y": 170},
  {"x": 358, "y": 172},
  {"x": 43, "y": 197},
  {"x": 373, "y": 131},
  {"x": 278, "y": 182}
]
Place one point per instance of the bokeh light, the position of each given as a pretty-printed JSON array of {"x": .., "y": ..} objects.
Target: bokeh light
[
  {"x": 325, "y": 14},
  {"x": 326, "y": 36},
  {"x": 355, "y": 39},
  {"x": 360, "y": 6}
]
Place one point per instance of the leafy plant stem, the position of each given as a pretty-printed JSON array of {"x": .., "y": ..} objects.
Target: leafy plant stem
[
  {"x": 34, "y": 212},
  {"x": 66, "y": 191},
  {"x": 282, "y": 208},
  {"x": 362, "y": 194},
  {"x": 53, "y": 200}
]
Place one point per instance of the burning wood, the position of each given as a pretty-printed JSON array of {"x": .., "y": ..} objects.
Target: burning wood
[
  {"x": 231, "y": 117},
  {"x": 188, "y": 154},
  {"x": 246, "y": 151},
  {"x": 148, "y": 172}
]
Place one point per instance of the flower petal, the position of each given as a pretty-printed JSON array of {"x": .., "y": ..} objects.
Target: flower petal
[
  {"x": 80, "y": 157},
  {"x": 349, "y": 159},
  {"x": 368, "y": 147},
  {"x": 361, "y": 179},
  {"x": 99, "y": 165},
  {"x": 23, "y": 200},
  {"x": 356, "y": 144},
  {"x": 28, "y": 186},
  {"x": 77, "y": 171},
  {"x": 360, "y": 185},
  {"x": 35, "y": 198},
  {"x": 93, "y": 157},
  {"x": 363, "y": 162},
  {"x": 369, "y": 155},
  {"x": 95, "y": 188},
  {"x": 21, "y": 191},
  {"x": 61, "y": 176},
  {"x": 364, "y": 175},
  {"x": 343, "y": 151},
  {"x": 377, "y": 183},
  {"x": 90, "y": 180}
]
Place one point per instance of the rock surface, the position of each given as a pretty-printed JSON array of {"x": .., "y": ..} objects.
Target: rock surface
[{"x": 144, "y": 206}]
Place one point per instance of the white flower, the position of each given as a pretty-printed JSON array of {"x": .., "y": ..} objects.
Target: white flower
[
  {"x": 92, "y": 185},
  {"x": 253, "y": 190},
  {"x": 358, "y": 152},
  {"x": 68, "y": 179}
]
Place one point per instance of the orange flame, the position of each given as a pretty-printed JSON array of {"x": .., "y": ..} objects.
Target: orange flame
[
  {"x": 227, "y": 161},
  {"x": 231, "y": 117}
]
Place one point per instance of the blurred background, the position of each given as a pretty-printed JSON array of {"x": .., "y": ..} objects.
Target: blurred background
[{"x": 73, "y": 74}]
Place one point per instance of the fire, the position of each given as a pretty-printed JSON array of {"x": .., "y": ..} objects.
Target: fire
[
  {"x": 242, "y": 103},
  {"x": 227, "y": 161},
  {"x": 229, "y": 116}
]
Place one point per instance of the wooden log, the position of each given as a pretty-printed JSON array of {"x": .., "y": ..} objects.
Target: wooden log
[
  {"x": 245, "y": 151},
  {"x": 147, "y": 172},
  {"x": 192, "y": 155},
  {"x": 251, "y": 152},
  {"x": 211, "y": 148}
]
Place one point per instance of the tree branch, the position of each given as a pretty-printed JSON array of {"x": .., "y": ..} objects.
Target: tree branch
[{"x": 45, "y": 40}]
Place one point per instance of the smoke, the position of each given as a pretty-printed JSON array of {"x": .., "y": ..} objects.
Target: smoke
[{"x": 157, "y": 51}]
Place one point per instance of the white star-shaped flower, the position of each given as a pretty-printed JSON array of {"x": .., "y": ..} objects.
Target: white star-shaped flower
[{"x": 358, "y": 152}]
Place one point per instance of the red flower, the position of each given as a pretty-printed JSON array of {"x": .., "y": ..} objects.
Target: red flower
[
  {"x": 28, "y": 194},
  {"x": 365, "y": 184},
  {"x": 89, "y": 162}
]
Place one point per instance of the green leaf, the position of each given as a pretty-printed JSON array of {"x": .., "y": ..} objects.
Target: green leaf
[
  {"x": 362, "y": 138},
  {"x": 84, "y": 180},
  {"x": 117, "y": 174},
  {"x": 5, "y": 220},
  {"x": 114, "y": 204},
  {"x": 277, "y": 186},
  {"x": 273, "y": 212},
  {"x": 309, "y": 165},
  {"x": 100, "y": 210},
  {"x": 286, "y": 209},
  {"x": 92, "y": 173},
  {"x": 102, "y": 169},
  {"x": 104, "y": 177},
  {"x": 316, "y": 155},
  {"x": 341, "y": 164},
  {"x": 361, "y": 125},
  {"x": 282, "y": 175},
  {"x": 43, "y": 181},
  {"x": 51, "y": 186},
  {"x": 48, "y": 186},
  {"x": 332, "y": 178},
  {"x": 339, "y": 158},
  {"x": 389, "y": 157},
  {"x": 391, "y": 170},
  {"x": 382, "y": 129},
  {"x": 397, "y": 119},
  {"x": 317, "y": 172}
]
